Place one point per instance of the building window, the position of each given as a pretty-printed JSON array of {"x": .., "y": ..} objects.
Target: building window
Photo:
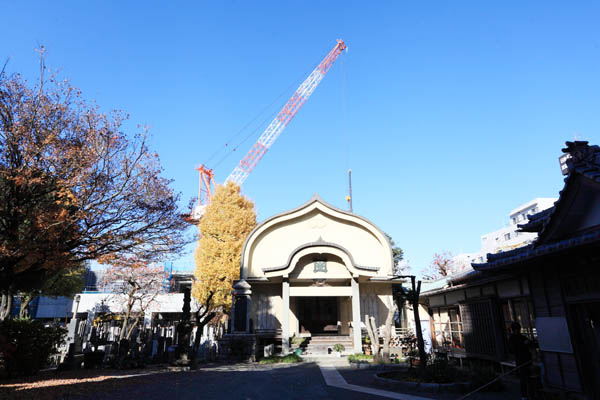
[
  {"x": 447, "y": 329},
  {"x": 519, "y": 309}
]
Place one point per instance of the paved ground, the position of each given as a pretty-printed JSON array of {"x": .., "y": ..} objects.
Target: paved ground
[
  {"x": 237, "y": 381},
  {"x": 243, "y": 382},
  {"x": 256, "y": 382}
]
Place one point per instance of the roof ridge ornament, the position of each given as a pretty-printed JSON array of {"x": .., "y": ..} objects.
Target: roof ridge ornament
[
  {"x": 582, "y": 154},
  {"x": 320, "y": 240}
]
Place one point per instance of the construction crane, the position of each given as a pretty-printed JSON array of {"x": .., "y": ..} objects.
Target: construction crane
[{"x": 268, "y": 137}]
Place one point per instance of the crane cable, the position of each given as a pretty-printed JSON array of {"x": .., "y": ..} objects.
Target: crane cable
[
  {"x": 345, "y": 114},
  {"x": 262, "y": 124},
  {"x": 345, "y": 133}
]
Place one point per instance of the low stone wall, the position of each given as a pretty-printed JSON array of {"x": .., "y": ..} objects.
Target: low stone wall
[{"x": 238, "y": 347}]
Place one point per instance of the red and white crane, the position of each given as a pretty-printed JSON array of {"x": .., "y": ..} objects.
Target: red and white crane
[{"x": 268, "y": 137}]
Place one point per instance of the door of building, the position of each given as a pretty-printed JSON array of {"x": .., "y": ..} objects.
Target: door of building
[{"x": 317, "y": 315}]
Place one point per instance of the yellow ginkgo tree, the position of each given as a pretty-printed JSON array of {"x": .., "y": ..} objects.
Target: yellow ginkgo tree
[{"x": 226, "y": 223}]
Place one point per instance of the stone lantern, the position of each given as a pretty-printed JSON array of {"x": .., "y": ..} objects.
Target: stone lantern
[{"x": 242, "y": 295}]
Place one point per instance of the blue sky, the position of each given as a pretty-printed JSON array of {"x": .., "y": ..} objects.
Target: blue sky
[{"x": 450, "y": 114}]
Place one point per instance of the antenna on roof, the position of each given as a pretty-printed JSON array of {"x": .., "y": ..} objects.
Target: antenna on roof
[{"x": 349, "y": 197}]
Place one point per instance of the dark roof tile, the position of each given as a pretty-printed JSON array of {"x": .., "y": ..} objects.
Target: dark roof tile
[{"x": 584, "y": 160}]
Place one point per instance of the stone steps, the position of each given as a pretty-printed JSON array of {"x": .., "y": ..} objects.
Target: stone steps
[
  {"x": 324, "y": 344},
  {"x": 330, "y": 359}
]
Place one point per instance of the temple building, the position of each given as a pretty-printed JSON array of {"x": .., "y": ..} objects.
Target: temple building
[{"x": 313, "y": 271}]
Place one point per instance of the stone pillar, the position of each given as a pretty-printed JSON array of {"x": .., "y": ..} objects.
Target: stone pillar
[
  {"x": 356, "y": 329},
  {"x": 285, "y": 317},
  {"x": 240, "y": 312}
]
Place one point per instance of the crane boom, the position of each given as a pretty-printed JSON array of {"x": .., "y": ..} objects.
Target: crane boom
[{"x": 268, "y": 137}]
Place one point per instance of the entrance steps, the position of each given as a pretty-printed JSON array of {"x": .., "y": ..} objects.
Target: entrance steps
[
  {"x": 327, "y": 359},
  {"x": 322, "y": 345}
]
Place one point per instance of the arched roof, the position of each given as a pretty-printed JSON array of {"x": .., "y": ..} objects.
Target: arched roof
[{"x": 275, "y": 245}]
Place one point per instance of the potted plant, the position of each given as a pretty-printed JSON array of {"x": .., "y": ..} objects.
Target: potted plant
[
  {"x": 338, "y": 348},
  {"x": 413, "y": 357},
  {"x": 367, "y": 345},
  {"x": 297, "y": 342}
]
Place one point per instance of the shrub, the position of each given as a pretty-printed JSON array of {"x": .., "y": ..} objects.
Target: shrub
[
  {"x": 338, "y": 347},
  {"x": 398, "y": 360},
  {"x": 360, "y": 358},
  {"x": 440, "y": 371},
  {"x": 297, "y": 340},
  {"x": 413, "y": 353},
  {"x": 482, "y": 375},
  {"x": 93, "y": 359},
  {"x": 289, "y": 359},
  {"x": 26, "y": 345}
]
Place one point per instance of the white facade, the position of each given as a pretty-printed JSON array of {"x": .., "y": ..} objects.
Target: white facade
[
  {"x": 315, "y": 269},
  {"x": 506, "y": 238}
]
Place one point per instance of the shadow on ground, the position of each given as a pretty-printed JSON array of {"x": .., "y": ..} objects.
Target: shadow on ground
[{"x": 62, "y": 385}]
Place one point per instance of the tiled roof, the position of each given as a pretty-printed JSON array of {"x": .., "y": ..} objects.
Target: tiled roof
[
  {"x": 535, "y": 222},
  {"x": 465, "y": 276},
  {"x": 528, "y": 252},
  {"x": 584, "y": 161}
]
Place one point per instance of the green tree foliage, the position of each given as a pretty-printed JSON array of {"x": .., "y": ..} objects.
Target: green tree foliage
[
  {"x": 397, "y": 254},
  {"x": 64, "y": 282},
  {"x": 226, "y": 223}
]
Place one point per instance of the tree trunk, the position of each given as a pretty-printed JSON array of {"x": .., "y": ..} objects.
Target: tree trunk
[
  {"x": 6, "y": 305},
  {"x": 131, "y": 328},
  {"x": 125, "y": 321},
  {"x": 388, "y": 331},
  {"x": 25, "y": 301},
  {"x": 373, "y": 335},
  {"x": 200, "y": 325},
  {"x": 419, "y": 332}
]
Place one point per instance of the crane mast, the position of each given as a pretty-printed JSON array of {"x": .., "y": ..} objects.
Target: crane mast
[{"x": 268, "y": 137}]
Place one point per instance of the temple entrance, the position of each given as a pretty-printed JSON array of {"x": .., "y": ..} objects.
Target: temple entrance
[{"x": 318, "y": 315}]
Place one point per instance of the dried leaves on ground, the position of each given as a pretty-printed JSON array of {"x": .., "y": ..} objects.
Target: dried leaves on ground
[{"x": 52, "y": 385}]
